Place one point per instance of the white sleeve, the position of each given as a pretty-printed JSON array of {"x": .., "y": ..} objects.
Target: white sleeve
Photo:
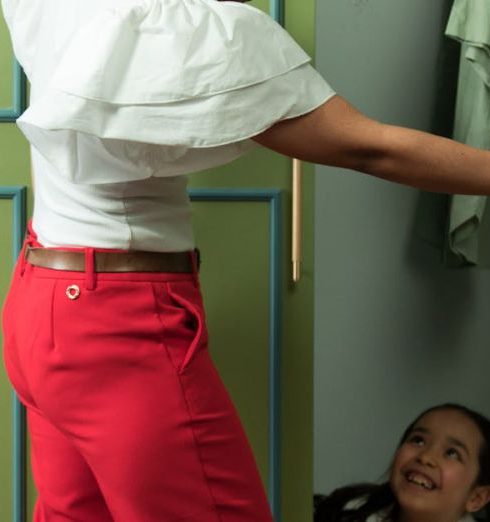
[{"x": 169, "y": 87}]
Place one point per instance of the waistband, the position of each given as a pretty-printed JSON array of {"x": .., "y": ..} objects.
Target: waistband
[{"x": 93, "y": 264}]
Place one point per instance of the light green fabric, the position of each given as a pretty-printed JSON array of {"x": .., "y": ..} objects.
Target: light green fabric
[{"x": 469, "y": 23}]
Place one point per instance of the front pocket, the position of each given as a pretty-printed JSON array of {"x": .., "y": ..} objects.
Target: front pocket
[{"x": 181, "y": 314}]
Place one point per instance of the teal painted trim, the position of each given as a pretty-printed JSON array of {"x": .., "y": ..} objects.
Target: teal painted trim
[
  {"x": 19, "y": 95},
  {"x": 273, "y": 197},
  {"x": 277, "y": 10},
  {"x": 275, "y": 340},
  {"x": 19, "y": 479},
  {"x": 19, "y": 472}
]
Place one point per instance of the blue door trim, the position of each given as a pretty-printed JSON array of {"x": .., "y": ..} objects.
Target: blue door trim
[
  {"x": 19, "y": 95},
  {"x": 19, "y": 482},
  {"x": 277, "y": 10}
]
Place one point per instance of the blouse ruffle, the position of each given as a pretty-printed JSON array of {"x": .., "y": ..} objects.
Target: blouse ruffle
[{"x": 167, "y": 87}]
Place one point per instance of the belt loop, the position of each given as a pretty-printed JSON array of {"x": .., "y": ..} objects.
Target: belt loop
[
  {"x": 30, "y": 239},
  {"x": 89, "y": 269},
  {"x": 23, "y": 257}
]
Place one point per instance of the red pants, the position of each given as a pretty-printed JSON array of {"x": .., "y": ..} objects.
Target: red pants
[{"x": 129, "y": 420}]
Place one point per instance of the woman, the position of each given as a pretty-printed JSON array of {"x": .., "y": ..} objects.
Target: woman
[{"x": 128, "y": 418}]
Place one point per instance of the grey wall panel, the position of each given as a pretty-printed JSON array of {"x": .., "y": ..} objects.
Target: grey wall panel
[{"x": 395, "y": 330}]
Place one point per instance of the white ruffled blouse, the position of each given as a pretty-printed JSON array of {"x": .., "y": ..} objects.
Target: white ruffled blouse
[{"x": 128, "y": 96}]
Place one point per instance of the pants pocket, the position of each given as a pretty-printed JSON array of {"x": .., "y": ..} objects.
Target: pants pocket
[{"x": 181, "y": 313}]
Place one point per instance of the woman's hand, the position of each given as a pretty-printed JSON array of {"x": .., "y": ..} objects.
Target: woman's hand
[{"x": 337, "y": 134}]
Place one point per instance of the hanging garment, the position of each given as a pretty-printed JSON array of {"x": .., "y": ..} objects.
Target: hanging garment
[{"x": 469, "y": 23}]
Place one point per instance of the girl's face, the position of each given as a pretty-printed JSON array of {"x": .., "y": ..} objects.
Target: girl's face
[{"x": 435, "y": 469}]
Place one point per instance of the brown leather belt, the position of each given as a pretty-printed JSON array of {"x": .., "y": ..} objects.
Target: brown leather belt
[{"x": 131, "y": 261}]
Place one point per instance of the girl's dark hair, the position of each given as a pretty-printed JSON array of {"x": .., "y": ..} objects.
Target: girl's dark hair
[{"x": 378, "y": 497}]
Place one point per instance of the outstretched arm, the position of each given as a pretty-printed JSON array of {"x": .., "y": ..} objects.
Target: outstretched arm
[{"x": 337, "y": 134}]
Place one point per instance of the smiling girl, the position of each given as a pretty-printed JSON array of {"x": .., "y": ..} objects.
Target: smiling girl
[{"x": 440, "y": 473}]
